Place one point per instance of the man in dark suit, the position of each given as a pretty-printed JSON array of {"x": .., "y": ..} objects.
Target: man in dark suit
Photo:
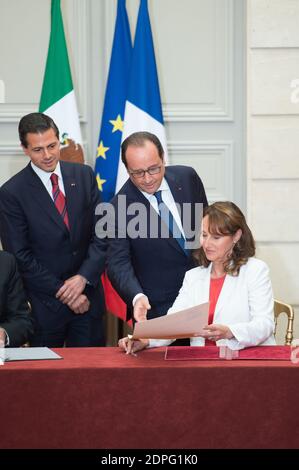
[
  {"x": 148, "y": 270},
  {"x": 47, "y": 219},
  {"x": 15, "y": 320}
]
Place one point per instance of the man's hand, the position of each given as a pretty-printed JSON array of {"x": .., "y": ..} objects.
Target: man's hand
[
  {"x": 80, "y": 305},
  {"x": 141, "y": 307},
  {"x": 71, "y": 289}
]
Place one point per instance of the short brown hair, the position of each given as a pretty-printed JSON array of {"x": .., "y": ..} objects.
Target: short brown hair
[
  {"x": 225, "y": 218},
  {"x": 138, "y": 139}
]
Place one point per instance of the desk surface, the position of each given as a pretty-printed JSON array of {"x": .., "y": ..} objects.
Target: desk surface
[
  {"x": 98, "y": 358},
  {"x": 101, "y": 398}
]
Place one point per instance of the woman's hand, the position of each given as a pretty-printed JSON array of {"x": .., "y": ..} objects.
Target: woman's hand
[
  {"x": 131, "y": 346},
  {"x": 215, "y": 332}
]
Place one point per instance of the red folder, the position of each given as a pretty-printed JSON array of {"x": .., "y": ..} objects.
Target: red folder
[{"x": 201, "y": 353}]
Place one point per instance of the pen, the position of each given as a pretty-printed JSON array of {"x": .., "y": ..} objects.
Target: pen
[{"x": 131, "y": 344}]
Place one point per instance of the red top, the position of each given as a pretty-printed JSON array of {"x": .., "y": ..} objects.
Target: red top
[{"x": 215, "y": 289}]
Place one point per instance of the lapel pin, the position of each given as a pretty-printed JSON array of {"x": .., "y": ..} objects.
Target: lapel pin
[{"x": 73, "y": 184}]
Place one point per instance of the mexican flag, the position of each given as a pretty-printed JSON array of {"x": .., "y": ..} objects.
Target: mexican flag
[{"x": 58, "y": 98}]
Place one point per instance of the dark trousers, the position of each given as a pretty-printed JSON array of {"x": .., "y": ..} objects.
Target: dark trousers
[{"x": 78, "y": 331}]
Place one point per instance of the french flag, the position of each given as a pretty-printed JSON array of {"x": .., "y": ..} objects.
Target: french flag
[{"x": 143, "y": 111}]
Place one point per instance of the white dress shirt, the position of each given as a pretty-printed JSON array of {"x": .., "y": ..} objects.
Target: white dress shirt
[{"x": 45, "y": 178}]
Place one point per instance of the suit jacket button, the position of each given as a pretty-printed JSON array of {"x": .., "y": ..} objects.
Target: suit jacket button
[{"x": 75, "y": 253}]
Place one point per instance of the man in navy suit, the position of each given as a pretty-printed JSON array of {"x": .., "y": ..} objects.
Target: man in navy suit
[
  {"x": 47, "y": 220},
  {"x": 148, "y": 270},
  {"x": 15, "y": 320}
]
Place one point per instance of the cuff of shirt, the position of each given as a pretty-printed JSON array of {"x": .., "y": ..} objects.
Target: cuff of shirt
[{"x": 137, "y": 296}]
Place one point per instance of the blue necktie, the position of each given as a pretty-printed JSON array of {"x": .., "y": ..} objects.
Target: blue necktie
[{"x": 169, "y": 220}]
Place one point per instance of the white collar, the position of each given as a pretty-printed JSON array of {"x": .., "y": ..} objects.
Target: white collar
[{"x": 46, "y": 175}]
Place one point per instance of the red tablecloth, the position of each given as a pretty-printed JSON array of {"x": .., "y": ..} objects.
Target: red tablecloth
[{"x": 101, "y": 398}]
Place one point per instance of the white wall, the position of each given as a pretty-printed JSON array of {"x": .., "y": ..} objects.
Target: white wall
[{"x": 273, "y": 140}]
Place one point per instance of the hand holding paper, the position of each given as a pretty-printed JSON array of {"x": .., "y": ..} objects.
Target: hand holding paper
[
  {"x": 183, "y": 324},
  {"x": 216, "y": 332},
  {"x": 141, "y": 307}
]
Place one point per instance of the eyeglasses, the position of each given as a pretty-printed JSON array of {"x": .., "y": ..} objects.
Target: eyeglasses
[{"x": 141, "y": 173}]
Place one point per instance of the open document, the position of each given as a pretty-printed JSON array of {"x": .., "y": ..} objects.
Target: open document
[
  {"x": 182, "y": 324},
  {"x": 27, "y": 354}
]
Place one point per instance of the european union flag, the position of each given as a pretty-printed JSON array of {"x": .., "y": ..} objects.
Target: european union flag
[{"x": 108, "y": 150}]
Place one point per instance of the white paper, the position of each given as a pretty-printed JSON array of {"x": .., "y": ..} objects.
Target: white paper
[
  {"x": 183, "y": 324},
  {"x": 27, "y": 354}
]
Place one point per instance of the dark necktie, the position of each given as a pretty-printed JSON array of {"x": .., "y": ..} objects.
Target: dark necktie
[
  {"x": 169, "y": 220},
  {"x": 59, "y": 199}
]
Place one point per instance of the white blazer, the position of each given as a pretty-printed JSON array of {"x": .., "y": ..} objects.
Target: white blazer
[{"x": 245, "y": 304}]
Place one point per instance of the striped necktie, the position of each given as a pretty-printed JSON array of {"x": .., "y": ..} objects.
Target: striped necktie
[
  {"x": 59, "y": 199},
  {"x": 168, "y": 219}
]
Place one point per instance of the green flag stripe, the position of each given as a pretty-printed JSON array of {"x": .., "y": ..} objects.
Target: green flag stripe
[{"x": 57, "y": 80}]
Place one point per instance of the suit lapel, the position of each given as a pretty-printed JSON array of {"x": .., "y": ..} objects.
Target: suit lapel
[
  {"x": 43, "y": 198},
  {"x": 225, "y": 294},
  {"x": 204, "y": 289},
  {"x": 178, "y": 196},
  {"x": 175, "y": 187},
  {"x": 133, "y": 194}
]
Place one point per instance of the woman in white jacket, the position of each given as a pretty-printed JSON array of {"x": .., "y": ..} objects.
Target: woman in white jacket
[{"x": 237, "y": 285}]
